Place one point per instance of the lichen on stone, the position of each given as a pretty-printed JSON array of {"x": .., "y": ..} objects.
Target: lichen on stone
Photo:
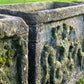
[
  {"x": 6, "y": 56},
  {"x": 80, "y": 81},
  {"x": 8, "y": 60},
  {"x": 61, "y": 57}
]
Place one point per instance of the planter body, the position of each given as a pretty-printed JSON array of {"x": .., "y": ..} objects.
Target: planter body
[{"x": 55, "y": 40}]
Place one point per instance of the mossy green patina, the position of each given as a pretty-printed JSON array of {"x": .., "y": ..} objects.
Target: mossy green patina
[
  {"x": 8, "y": 60},
  {"x": 13, "y": 50},
  {"x": 61, "y": 57},
  {"x": 6, "y": 57},
  {"x": 81, "y": 81}
]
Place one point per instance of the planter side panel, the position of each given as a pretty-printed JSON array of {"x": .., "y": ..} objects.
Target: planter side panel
[{"x": 57, "y": 51}]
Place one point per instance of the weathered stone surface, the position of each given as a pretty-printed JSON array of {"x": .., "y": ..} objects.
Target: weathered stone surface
[
  {"x": 42, "y": 16},
  {"x": 37, "y": 6},
  {"x": 61, "y": 55},
  {"x": 56, "y": 39},
  {"x": 13, "y": 50},
  {"x": 47, "y": 41},
  {"x": 79, "y": 2}
]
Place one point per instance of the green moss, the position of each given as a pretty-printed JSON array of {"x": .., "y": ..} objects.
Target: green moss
[
  {"x": 6, "y": 58},
  {"x": 1, "y": 62},
  {"x": 81, "y": 81},
  {"x": 11, "y": 54},
  {"x": 4, "y": 77}
]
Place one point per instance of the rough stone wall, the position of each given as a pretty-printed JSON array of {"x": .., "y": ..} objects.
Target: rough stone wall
[{"x": 13, "y": 50}]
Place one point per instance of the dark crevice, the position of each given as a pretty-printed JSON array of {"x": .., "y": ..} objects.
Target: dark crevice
[
  {"x": 79, "y": 57},
  {"x": 31, "y": 55}
]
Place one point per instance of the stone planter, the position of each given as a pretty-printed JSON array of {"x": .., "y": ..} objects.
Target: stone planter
[
  {"x": 13, "y": 50},
  {"x": 55, "y": 40},
  {"x": 79, "y": 2}
]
